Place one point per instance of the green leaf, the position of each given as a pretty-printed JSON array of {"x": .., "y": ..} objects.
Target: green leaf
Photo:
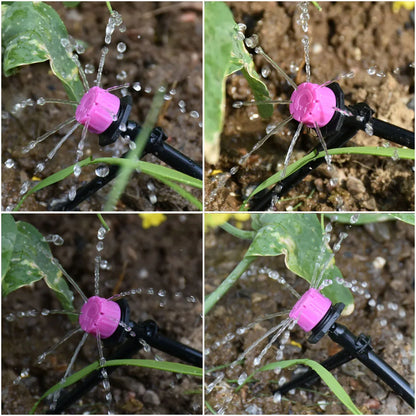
[
  {"x": 157, "y": 365},
  {"x": 299, "y": 239},
  {"x": 370, "y": 218},
  {"x": 32, "y": 33},
  {"x": 407, "y": 218},
  {"x": 31, "y": 261},
  {"x": 8, "y": 238},
  {"x": 242, "y": 60},
  {"x": 325, "y": 375},
  {"x": 219, "y": 27}
]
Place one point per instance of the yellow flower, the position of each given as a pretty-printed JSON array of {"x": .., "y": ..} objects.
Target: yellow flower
[
  {"x": 214, "y": 220},
  {"x": 408, "y": 5},
  {"x": 152, "y": 220}
]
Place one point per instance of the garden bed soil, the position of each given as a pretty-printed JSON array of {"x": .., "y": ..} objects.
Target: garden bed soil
[
  {"x": 361, "y": 257},
  {"x": 345, "y": 36},
  {"x": 168, "y": 53},
  {"x": 163, "y": 258}
]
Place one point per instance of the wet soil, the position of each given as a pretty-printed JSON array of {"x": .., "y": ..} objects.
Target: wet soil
[
  {"x": 168, "y": 53},
  {"x": 382, "y": 255},
  {"x": 345, "y": 36},
  {"x": 164, "y": 257}
]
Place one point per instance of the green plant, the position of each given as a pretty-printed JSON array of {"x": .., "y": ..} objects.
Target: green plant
[
  {"x": 27, "y": 258},
  {"x": 157, "y": 365},
  {"x": 298, "y": 238},
  {"x": 225, "y": 54},
  {"x": 32, "y": 33},
  {"x": 366, "y": 150}
]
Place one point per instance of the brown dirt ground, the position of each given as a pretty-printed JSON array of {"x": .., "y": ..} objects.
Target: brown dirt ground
[
  {"x": 163, "y": 257},
  {"x": 344, "y": 36},
  {"x": 256, "y": 295},
  {"x": 168, "y": 52}
]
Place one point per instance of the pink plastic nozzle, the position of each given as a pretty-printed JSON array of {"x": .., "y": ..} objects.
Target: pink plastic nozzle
[
  {"x": 97, "y": 108},
  {"x": 311, "y": 103},
  {"x": 99, "y": 315},
  {"x": 310, "y": 309}
]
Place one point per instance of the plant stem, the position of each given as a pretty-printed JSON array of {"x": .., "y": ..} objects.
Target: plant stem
[
  {"x": 110, "y": 9},
  {"x": 222, "y": 289},
  {"x": 236, "y": 232},
  {"x": 141, "y": 140},
  {"x": 105, "y": 225}
]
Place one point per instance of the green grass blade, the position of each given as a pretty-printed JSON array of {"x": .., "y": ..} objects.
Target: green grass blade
[
  {"x": 134, "y": 154},
  {"x": 52, "y": 179},
  {"x": 145, "y": 167},
  {"x": 157, "y": 365},
  {"x": 325, "y": 375},
  {"x": 373, "y": 151}
]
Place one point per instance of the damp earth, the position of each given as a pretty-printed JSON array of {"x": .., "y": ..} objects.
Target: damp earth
[
  {"x": 163, "y": 258},
  {"x": 163, "y": 47},
  {"x": 367, "y": 38},
  {"x": 380, "y": 255}
]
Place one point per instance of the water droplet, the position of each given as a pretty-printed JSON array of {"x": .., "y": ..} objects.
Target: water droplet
[
  {"x": 194, "y": 114},
  {"x": 369, "y": 129},
  {"x": 238, "y": 104},
  {"x": 89, "y": 69},
  {"x": 282, "y": 380},
  {"x": 40, "y": 167},
  {"x": 395, "y": 156},
  {"x": 102, "y": 171},
  {"x": 72, "y": 193},
  {"x": 354, "y": 218},
  {"x": 252, "y": 41},
  {"x": 277, "y": 398},
  {"x": 372, "y": 303},
  {"x": 265, "y": 71},
  {"x": 100, "y": 246},
  {"x": 241, "y": 379},
  {"x": 121, "y": 47},
  {"x": 241, "y": 27},
  {"x": 77, "y": 170},
  {"x": 371, "y": 70},
  {"x": 148, "y": 90},
  {"x": 132, "y": 145},
  {"x": 9, "y": 163},
  {"x": 24, "y": 188},
  {"x": 121, "y": 76},
  {"x": 79, "y": 48}
]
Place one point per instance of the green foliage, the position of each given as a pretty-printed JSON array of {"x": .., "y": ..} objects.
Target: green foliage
[
  {"x": 157, "y": 365},
  {"x": 162, "y": 173},
  {"x": 29, "y": 259},
  {"x": 375, "y": 151},
  {"x": 219, "y": 26},
  {"x": 225, "y": 54},
  {"x": 32, "y": 33},
  {"x": 371, "y": 217},
  {"x": 325, "y": 375},
  {"x": 299, "y": 239}
]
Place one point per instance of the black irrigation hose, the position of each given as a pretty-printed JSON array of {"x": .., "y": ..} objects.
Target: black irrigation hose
[
  {"x": 338, "y": 131},
  {"x": 155, "y": 145},
  {"x": 353, "y": 347},
  {"x": 147, "y": 331}
]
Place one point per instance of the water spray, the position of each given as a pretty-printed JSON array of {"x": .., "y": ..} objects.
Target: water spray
[
  {"x": 323, "y": 108},
  {"x": 108, "y": 116},
  {"x": 314, "y": 312},
  {"x": 111, "y": 322}
]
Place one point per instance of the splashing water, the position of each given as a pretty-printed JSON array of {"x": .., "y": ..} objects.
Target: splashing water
[
  {"x": 114, "y": 29},
  {"x": 169, "y": 299}
]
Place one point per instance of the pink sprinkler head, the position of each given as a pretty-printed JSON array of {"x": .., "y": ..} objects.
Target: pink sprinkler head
[
  {"x": 310, "y": 309},
  {"x": 99, "y": 315},
  {"x": 97, "y": 108},
  {"x": 311, "y": 103}
]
